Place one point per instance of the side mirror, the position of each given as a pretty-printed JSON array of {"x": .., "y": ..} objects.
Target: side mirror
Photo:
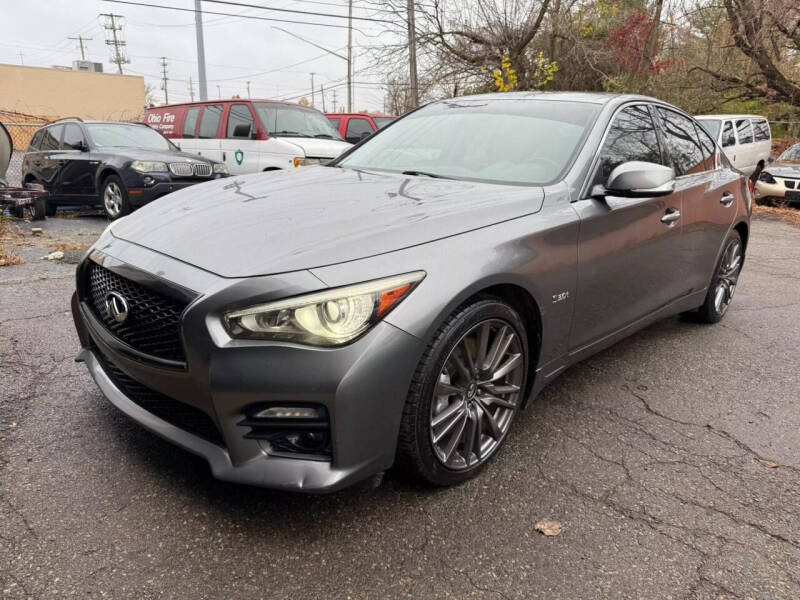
[
  {"x": 771, "y": 159},
  {"x": 638, "y": 179},
  {"x": 83, "y": 146}
]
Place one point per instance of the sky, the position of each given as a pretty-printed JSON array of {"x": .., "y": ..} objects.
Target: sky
[{"x": 237, "y": 49}]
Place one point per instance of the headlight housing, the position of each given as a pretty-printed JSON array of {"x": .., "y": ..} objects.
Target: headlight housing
[
  {"x": 328, "y": 318},
  {"x": 149, "y": 166},
  {"x": 300, "y": 161},
  {"x": 220, "y": 169},
  {"x": 766, "y": 177}
]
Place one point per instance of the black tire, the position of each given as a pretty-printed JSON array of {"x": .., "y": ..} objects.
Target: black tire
[
  {"x": 757, "y": 172},
  {"x": 113, "y": 185},
  {"x": 17, "y": 211},
  {"x": 416, "y": 453},
  {"x": 710, "y": 311},
  {"x": 39, "y": 208},
  {"x": 50, "y": 207}
]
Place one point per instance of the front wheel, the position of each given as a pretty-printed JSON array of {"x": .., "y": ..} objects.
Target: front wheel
[
  {"x": 465, "y": 393},
  {"x": 726, "y": 277},
  {"x": 114, "y": 197}
]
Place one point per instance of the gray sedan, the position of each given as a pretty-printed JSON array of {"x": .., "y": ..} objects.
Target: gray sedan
[{"x": 308, "y": 329}]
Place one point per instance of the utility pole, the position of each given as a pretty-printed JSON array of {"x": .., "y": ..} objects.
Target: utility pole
[
  {"x": 312, "y": 90},
  {"x": 80, "y": 39},
  {"x": 191, "y": 89},
  {"x": 21, "y": 58},
  {"x": 412, "y": 55},
  {"x": 113, "y": 25},
  {"x": 322, "y": 93},
  {"x": 350, "y": 56},
  {"x": 201, "y": 51},
  {"x": 164, "y": 78},
  {"x": 219, "y": 93},
  {"x": 248, "y": 90},
  {"x": 334, "y": 99}
]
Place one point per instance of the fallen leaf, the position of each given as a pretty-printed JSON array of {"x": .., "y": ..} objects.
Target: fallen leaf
[
  {"x": 768, "y": 463},
  {"x": 14, "y": 424},
  {"x": 548, "y": 527}
]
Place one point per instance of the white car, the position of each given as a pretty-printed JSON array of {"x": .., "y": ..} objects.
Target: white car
[
  {"x": 250, "y": 135},
  {"x": 745, "y": 139}
]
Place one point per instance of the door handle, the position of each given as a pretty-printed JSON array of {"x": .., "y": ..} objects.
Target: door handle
[
  {"x": 727, "y": 199},
  {"x": 670, "y": 217},
  {"x": 224, "y": 156}
]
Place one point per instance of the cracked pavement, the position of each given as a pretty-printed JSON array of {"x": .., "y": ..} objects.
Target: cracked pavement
[{"x": 651, "y": 455}]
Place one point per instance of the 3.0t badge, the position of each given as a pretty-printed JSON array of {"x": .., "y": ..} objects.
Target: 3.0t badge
[{"x": 117, "y": 307}]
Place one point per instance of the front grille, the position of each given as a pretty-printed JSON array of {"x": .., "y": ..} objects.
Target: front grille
[
  {"x": 181, "y": 169},
  {"x": 790, "y": 183},
  {"x": 202, "y": 169},
  {"x": 183, "y": 416},
  {"x": 186, "y": 169},
  {"x": 153, "y": 324}
]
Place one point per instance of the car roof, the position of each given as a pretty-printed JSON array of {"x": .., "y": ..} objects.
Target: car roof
[
  {"x": 218, "y": 100},
  {"x": 590, "y": 97},
  {"x": 731, "y": 116},
  {"x": 360, "y": 114}
]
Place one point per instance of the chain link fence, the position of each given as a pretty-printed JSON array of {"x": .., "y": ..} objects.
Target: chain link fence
[{"x": 21, "y": 127}]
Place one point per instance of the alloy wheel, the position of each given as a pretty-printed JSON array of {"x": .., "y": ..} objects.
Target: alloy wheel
[
  {"x": 728, "y": 276},
  {"x": 112, "y": 199},
  {"x": 477, "y": 395}
]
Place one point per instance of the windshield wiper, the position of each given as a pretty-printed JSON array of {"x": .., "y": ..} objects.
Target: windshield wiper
[
  {"x": 425, "y": 174},
  {"x": 285, "y": 133},
  {"x": 323, "y": 135}
]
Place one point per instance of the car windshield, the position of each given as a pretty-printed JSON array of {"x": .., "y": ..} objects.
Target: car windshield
[
  {"x": 382, "y": 121},
  {"x": 711, "y": 126},
  {"x": 127, "y": 135},
  {"x": 294, "y": 121},
  {"x": 515, "y": 141},
  {"x": 792, "y": 153}
]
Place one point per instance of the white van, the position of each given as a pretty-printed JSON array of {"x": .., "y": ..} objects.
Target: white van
[
  {"x": 745, "y": 139},
  {"x": 250, "y": 135}
]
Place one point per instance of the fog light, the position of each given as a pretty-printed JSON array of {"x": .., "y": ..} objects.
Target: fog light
[
  {"x": 149, "y": 180},
  {"x": 288, "y": 412}
]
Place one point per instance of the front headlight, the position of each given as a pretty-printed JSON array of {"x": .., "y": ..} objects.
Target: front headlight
[
  {"x": 149, "y": 166},
  {"x": 220, "y": 169},
  {"x": 766, "y": 177},
  {"x": 300, "y": 161},
  {"x": 328, "y": 318}
]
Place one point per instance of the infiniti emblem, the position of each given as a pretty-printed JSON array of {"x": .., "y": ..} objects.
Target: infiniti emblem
[{"x": 117, "y": 307}]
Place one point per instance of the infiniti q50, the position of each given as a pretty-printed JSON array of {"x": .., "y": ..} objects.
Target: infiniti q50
[{"x": 307, "y": 330}]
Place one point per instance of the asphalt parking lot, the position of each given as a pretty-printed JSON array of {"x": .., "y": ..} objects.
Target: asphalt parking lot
[{"x": 672, "y": 462}]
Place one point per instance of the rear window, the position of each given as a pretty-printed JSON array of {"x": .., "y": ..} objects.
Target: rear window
[
  {"x": 240, "y": 122},
  {"x": 728, "y": 137},
  {"x": 209, "y": 122},
  {"x": 745, "y": 131},
  {"x": 761, "y": 130},
  {"x": 190, "y": 124},
  {"x": 36, "y": 140},
  {"x": 51, "y": 137}
]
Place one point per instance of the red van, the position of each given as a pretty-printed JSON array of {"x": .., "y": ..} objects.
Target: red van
[
  {"x": 354, "y": 127},
  {"x": 249, "y": 135}
]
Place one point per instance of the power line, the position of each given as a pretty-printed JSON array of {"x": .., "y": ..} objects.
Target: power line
[
  {"x": 225, "y": 14},
  {"x": 299, "y": 12}
]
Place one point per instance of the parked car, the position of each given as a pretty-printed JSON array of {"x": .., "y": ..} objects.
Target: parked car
[
  {"x": 119, "y": 166},
  {"x": 745, "y": 139},
  {"x": 405, "y": 302},
  {"x": 250, "y": 135},
  {"x": 354, "y": 127},
  {"x": 781, "y": 179}
]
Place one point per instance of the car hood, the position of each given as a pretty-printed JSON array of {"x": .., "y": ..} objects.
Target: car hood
[
  {"x": 784, "y": 168},
  {"x": 6, "y": 148},
  {"x": 317, "y": 147},
  {"x": 281, "y": 221},
  {"x": 156, "y": 155}
]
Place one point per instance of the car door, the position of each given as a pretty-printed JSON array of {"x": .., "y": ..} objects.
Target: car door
[
  {"x": 727, "y": 140},
  {"x": 708, "y": 188},
  {"x": 357, "y": 129},
  {"x": 239, "y": 146},
  {"x": 47, "y": 163},
  {"x": 207, "y": 142},
  {"x": 76, "y": 166},
  {"x": 626, "y": 246},
  {"x": 746, "y": 150},
  {"x": 188, "y": 140}
]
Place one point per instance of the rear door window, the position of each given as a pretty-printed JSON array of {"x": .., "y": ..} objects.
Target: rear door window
[
  {"x": 708, "y": 147},
  {"x": 73, "y": 137},
  {"x": 728, "y": 137},
  {"x": 36, "y": 140},
  {"x": 209, "y": 122},
  {"x": 190, "y": 123},
  {"x": 240, "y": 121},
  {"x": 683, "y": 147},
  {"x": 632, "y": 136},
  {"x": 356, "y": 128},
  {"x": 745, "y": 131},
  {"x": 51, "y": 138},
  {"x": 761, "y": 130}
]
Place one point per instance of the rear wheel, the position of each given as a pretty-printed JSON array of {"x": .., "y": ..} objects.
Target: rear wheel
[
  {"x": 726, "y": 277},
  {"x": 39, "y": 208},
  {"x": 114, "y": 197},
  {"x": 465, "y": 393}
]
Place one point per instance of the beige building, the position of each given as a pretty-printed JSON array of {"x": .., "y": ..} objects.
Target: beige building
[{"x": 54, "y": 93}]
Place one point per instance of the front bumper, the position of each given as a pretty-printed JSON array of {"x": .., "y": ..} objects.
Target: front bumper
[{"x": 363, "y": 385}]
